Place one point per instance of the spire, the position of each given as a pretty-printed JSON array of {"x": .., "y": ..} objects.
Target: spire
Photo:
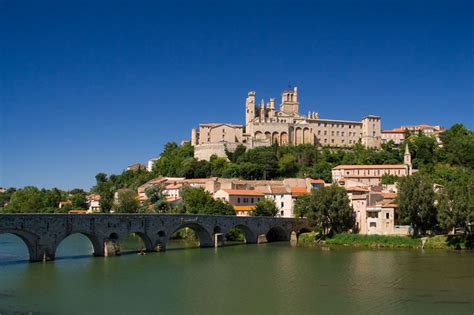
[{"x": 407, "y": 159}]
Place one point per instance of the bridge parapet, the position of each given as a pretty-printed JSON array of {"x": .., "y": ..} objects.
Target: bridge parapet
[{"x": 42, "y": 233}]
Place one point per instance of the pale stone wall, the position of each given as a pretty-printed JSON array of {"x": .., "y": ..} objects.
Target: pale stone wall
[
  {"x": 265, "y": 125},
  {"x": 43, "y": 233},
  {"x": 396, "y": 137}
]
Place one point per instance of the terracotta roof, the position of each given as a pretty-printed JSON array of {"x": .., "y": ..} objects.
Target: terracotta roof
[
  {"x": 397, "y": 130},
  {"x": 316, "y": 181},
  {"x": 359, "y": 197},
  {"x": 298, "y": 191},
  {"x": 244, "y": 208},
  {"x": 389, "y": 205},
  {"x": 382, "y": 166},
  {"x": 93, "y": 197},
  {"x": 357, "y": 188},
  {"x": 279, "y": 190},
  {"x": 243, "y": 192},
  {"x": 175, "y": 186},
  {"x": 77, "y": 211},
  {"x": 387, "y": 195}
]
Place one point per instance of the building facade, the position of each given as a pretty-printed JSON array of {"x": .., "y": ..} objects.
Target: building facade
[
  {"x": 371, "y": 175},
  {"x": 266, "y": 125}
]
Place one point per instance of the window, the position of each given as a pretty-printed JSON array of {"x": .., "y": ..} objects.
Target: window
[
  {"x": 258, "y": 199},
  {"x": 238, "y": 200},
  {"x": 282, "y": 204},
  {"x": 319, "y": 132},
  {"x": 325, "y": 132},
  {"x": 282, "y": 212},
  {"x": 387, "y": 215},
  {"x": 251, "y": 200},
  {"x": 373, "y": 214},
  {"x": 332, "y": 133},
  {"x": 325, "y": 140},
  {"x": 342, "y": 133},
  {"x": 373, "y": 224},
  {"x": 332, "y": 140},
  {"x": 246, "y": 200},
  {"x": 337, "y": 133}
]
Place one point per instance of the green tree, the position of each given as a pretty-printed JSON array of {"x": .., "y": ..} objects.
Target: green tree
[
  {"x": 302, "y": 206},
  {"x": 265, "y": 208},
  {"x": 328, "y": 210},
  {"x": 388, "y": 179},
  {"x": 458, "y": 146},
  {"x": 127, "y": 202},
  {"x": 199, "y": 201},
  {"x": 416, "y": 202},
  {"x": 156, "y": 199},
  {"x": 456, "y": 204},
  {"x": 79, "y": 201},
  {"x": 6, "y": 196},
  {"x": 26, "y": 200},
  {"x": 287, "y": 165},
  {"x": 218, "y": 166}
]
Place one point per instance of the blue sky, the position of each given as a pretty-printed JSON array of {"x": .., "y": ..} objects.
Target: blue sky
[{"x": 93, "y": 86}]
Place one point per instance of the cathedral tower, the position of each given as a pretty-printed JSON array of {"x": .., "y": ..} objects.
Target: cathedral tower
[
  {"x": 289, "y": 101},
  {"x": 249, "y": 107}
]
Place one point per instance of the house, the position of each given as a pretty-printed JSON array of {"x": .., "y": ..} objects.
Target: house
[
  {"x": 375, "y": 212},
  {"x": 371, "y": 175},
  {"x": 64, "y": 203},
  {"x": 281, "y": 195},
  {"x": 93, "y": 201},
  {"x": 243, "y": 201}
]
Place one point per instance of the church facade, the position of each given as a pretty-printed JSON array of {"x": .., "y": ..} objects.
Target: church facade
[{"x": 266, "y": 125}]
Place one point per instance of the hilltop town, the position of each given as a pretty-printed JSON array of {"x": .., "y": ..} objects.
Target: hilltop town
[{"x": 277, "y": 160}]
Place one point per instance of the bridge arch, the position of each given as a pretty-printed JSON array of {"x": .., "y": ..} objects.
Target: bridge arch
[
  {"x": 249, "y": 235},
  {"x": 93, "y": 240},
  {"x": 29, "y": 239},
  {"x": 205, "y": 237},
  {"x": 277, "y": 234}
]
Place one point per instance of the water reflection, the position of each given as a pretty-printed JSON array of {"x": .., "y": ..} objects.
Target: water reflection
[{"x": 257, "y": 279}]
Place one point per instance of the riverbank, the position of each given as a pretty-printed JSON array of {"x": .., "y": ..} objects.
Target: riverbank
[{"x": 383, "y": 241}]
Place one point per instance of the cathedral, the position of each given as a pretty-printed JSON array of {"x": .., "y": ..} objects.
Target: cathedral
[{"x": 265, "y": 125}]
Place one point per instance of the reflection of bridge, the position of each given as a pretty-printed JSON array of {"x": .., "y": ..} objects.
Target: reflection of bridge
[{"x": 42, "y": 233}]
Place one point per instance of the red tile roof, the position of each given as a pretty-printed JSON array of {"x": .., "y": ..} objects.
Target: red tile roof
[
  {"x": 243, "y": 192},
  {"x": 382, "y": 166},
  {"x": 298, "y": 191}
]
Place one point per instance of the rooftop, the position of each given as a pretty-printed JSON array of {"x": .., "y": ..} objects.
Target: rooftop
[
  {"x": 382, "y": 166},
  {"x": 243, "y": 192}
]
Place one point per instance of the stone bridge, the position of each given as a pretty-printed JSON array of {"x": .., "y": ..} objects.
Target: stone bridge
[{"x": 42, "y": 233}]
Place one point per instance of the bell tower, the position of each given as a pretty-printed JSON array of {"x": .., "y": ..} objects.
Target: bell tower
[
  {"x": 407, "y": 159},
  {"x": 289, "y": 101},
  {"x": 249, "y": 107}
]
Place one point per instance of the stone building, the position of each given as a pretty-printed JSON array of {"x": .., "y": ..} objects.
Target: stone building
[
  {"x": 266, "y": 125},
  {"x": 371, "y": 175}
]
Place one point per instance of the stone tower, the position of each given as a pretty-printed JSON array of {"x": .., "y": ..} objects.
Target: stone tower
[
  {"x": 249, "y": 107},
  {"x": 407, "y": 159},
  {"x": 289, "y": 101}
]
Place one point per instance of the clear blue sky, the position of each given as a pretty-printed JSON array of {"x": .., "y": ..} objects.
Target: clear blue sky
[{"x": 93, "y": 86}]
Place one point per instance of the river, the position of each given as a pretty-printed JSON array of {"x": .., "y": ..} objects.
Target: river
[{"x": 270, "y": 278}]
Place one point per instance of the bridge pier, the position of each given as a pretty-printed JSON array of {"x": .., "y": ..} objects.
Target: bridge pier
[
  {"x": 111, "y": 247},
  {"x": 218, "y": 240},
  {"x": 262, "y": 239}
]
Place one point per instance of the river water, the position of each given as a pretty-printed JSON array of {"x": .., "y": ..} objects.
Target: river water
[{"x": 242, "y": 279}]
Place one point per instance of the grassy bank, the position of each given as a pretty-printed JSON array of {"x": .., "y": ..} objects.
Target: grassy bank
[{"x": 382, "y": 241}]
